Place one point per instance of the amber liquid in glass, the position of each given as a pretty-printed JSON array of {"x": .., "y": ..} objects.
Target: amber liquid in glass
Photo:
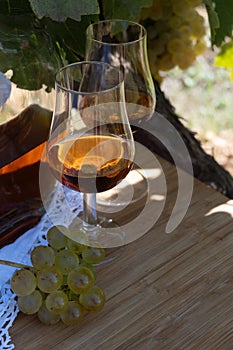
[
  {"x": 92, "y": 163},
  {"x": 140, "y": 108}
]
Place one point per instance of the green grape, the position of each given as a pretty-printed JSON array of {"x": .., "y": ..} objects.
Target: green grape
[
  {"x": 56, "y": 302},
  {"x": 152, "y": 33},
  {"x": 49, "y": 279},
  {"x": 190, "y": 55},
  {"x": 23, "y": 282},
  {"x": 175, "y": 45},
  {"x": 66, "y": 260},
  {"x": 184, "y": 31},
  {"x": 42, "y": 256},
  {"x": 75, "y": 247},
  {"x": 179, "y": 8},
  {"x": 78, "y": 236},
  {"x": 200, "y": 47},
  {"x": 198, "y": 30},
  {"x": 93, "y": 299},
  {"x": 80, "y": 279},
  {"x": 183, "y": 59},
  {"x": 156, "y": 12},
  {"x": 93, "y": 255},
  {"x": 167, "y": 9},
  {"x": 156, "y": 48},
  {"x": 191, "y": 15},
  {"x": 177, "y": 37},
  {"x": 73, "y": 314},
  {"x": 165, "y": 63},
  {"x": 161, "y": 27},
  {"x": 89, "y": 266},
  {"x": 30, "y": 304},
  {"x": 47, "y": 317},
  {"x": 175, "y": 21},
  {"x": 56, "y": 237},
  {"x": 165, "y": 37}
]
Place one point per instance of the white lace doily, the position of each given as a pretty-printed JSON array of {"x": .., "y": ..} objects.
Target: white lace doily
[{"x": 62, "y": 209}]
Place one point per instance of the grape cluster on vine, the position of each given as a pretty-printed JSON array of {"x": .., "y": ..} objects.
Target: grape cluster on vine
[
  {"x": 60, "y": 284},
  {"x": 176, "y": 34}
]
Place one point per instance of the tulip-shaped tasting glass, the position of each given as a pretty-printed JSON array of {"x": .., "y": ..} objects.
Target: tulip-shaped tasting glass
[
  {"x": 123, "y": 44},
  {"x": 91, "y": 147}
]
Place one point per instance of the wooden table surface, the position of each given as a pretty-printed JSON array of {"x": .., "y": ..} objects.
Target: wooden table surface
[{"x": 166, "y": 292}]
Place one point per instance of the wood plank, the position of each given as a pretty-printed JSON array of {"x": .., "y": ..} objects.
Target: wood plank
[{"x": 167, "y": 291}]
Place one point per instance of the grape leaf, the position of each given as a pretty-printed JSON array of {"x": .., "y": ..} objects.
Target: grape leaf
[
  {"x": 124, "y": 9},
  {"x": 66, "y": 35},
  {"x": 60, "y": 10},
  {"x": 212, "y": 17},
  {"x": 224, "y": 9},
  {"x": 225, "y": 56},
  {"x": 30, "y": 54},
  {"x": 15, "y": 7}
]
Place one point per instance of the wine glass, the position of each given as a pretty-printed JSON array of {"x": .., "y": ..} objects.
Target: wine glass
[
  {"x": 90, "y": 148},
  {"x": 123, "y": 44}
]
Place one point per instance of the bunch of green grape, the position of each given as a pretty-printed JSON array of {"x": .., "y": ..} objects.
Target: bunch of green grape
[
  {"x": 60, "y": 284},
  {"x": 176, "y": 34}
]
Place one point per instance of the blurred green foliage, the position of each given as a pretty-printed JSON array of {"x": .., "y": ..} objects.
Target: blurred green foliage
[{"x": 38, "y": 36}]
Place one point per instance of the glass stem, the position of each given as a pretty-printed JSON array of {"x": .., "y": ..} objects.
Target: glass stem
[{"x": 89, "y": 210}]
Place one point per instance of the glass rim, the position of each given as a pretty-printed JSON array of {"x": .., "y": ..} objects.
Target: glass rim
[
  {"x": 84, "y": 93},
  {"x": 144, "y": 32}
]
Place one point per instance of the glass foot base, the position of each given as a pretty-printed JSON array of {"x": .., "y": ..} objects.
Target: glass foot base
[
  {"x": 130, "y": 190},
  {"x": 107, "y": 234}
]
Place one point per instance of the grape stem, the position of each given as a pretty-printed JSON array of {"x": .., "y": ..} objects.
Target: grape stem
[{"x": 14, "y": 264}]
